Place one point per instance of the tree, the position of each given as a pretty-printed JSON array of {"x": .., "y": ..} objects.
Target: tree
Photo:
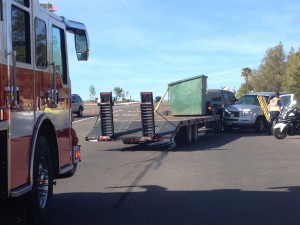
[
  {"x": 291, "y": 82},
  {"x": 247, "y": 74},
  {"x": 277, "y": 72},
  {"x": 118, "y": 92},
  {"x": 92, "y": 92},
  {"x": 242, "y": 91},
  {"x": 270, "y": 73}
]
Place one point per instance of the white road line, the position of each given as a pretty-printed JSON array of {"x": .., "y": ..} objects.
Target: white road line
[{"x": 84, "y": 119}]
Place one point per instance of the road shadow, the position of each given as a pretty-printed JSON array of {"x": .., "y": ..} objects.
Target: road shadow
[
  {"x": 148, "y": 205},
  {"x": 208, "y": 142},
  {"x": 217, "y": 141}
]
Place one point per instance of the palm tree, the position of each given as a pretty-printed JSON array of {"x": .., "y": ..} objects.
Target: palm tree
[{"x": 246, "y": 74}]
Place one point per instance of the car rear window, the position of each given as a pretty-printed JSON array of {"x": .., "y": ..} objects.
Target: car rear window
[
  {"x": 229, "y": 98},
  {"x": 214, "y": 96}
]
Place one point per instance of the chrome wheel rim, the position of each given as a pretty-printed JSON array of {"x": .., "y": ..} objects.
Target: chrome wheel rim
[{"x": 43, "y": 182}]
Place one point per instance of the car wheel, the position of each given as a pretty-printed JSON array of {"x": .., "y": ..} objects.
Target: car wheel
[
  {"x": 79, "y": 113},
  {"x": 260, "y": 125}
]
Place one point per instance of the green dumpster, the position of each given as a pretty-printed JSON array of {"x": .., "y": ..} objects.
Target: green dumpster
[{"x": 187, "y": 96}]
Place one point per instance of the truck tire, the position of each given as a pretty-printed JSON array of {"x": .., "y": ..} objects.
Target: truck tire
[
  {"x": 178, "y": 137},
  {"x": 194, "y": 133},
  {"x": 260, "y": 125},
  {"x": 187, "y": 135},
  {"x": 184, "y": 136},
  {"x": 40, "y": 197}
]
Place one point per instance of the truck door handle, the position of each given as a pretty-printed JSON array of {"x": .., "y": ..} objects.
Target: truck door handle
[
  {"x": 14, "y": 99},
  {"x": 53, "y": 92}
]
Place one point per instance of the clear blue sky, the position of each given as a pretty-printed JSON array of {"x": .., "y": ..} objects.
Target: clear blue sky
[{"x": 142, "y": 45}]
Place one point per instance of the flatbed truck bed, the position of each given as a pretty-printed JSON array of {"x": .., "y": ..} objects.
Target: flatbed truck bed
[{"x": 151, "y": 127}]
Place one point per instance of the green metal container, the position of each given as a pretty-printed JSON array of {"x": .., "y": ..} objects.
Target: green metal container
[{"x": 187, "y": 96}]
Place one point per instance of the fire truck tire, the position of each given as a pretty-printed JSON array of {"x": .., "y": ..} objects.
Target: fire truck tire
[{"x": 40, "y": 198}]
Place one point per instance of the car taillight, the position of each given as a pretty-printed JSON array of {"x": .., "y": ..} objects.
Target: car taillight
[{"x": 209, "y": 107}]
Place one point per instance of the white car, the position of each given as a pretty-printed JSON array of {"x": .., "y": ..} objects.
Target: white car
[{"x": 247, "y": 113}]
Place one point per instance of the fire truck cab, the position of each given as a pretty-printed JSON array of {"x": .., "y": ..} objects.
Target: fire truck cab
[{"x": 37, "y": 142}]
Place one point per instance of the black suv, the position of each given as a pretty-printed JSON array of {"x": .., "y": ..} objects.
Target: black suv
[
  {"x": 220, "y": 98},
  {"x": 157, "y": 99}
]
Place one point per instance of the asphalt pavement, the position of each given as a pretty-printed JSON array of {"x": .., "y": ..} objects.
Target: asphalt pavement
[{"x": 227, "y": 178}]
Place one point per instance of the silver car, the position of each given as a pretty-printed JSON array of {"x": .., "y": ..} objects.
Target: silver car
[
  {"x": 77, "y": 105},
  {"x": 247, "y": 111}
]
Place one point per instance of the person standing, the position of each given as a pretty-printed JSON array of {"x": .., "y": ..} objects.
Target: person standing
[{"x": 274, "y": 107}]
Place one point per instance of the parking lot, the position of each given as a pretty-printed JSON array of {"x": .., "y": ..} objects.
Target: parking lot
[{"x": 228, "y": 178}]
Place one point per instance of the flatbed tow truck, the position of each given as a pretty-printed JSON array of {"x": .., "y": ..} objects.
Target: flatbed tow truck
[{"x": 153, "y": 126}]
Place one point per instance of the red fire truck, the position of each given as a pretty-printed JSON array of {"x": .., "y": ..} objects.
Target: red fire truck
[{"x": 37, "y": 142}]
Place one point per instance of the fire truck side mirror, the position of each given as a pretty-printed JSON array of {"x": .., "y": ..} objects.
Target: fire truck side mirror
[
  {"x": 82, "y": 46},
  {"x": 80, "y": 37}
]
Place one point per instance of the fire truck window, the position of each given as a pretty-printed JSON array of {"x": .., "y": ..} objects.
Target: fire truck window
[
  {"x": 1, "y": 11},
  {"x": 21, "y": 34},
  {"x": 59, "y": 53},
  {"x": 40, "y": 43},
  {"x": 23, "y": 2}
]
